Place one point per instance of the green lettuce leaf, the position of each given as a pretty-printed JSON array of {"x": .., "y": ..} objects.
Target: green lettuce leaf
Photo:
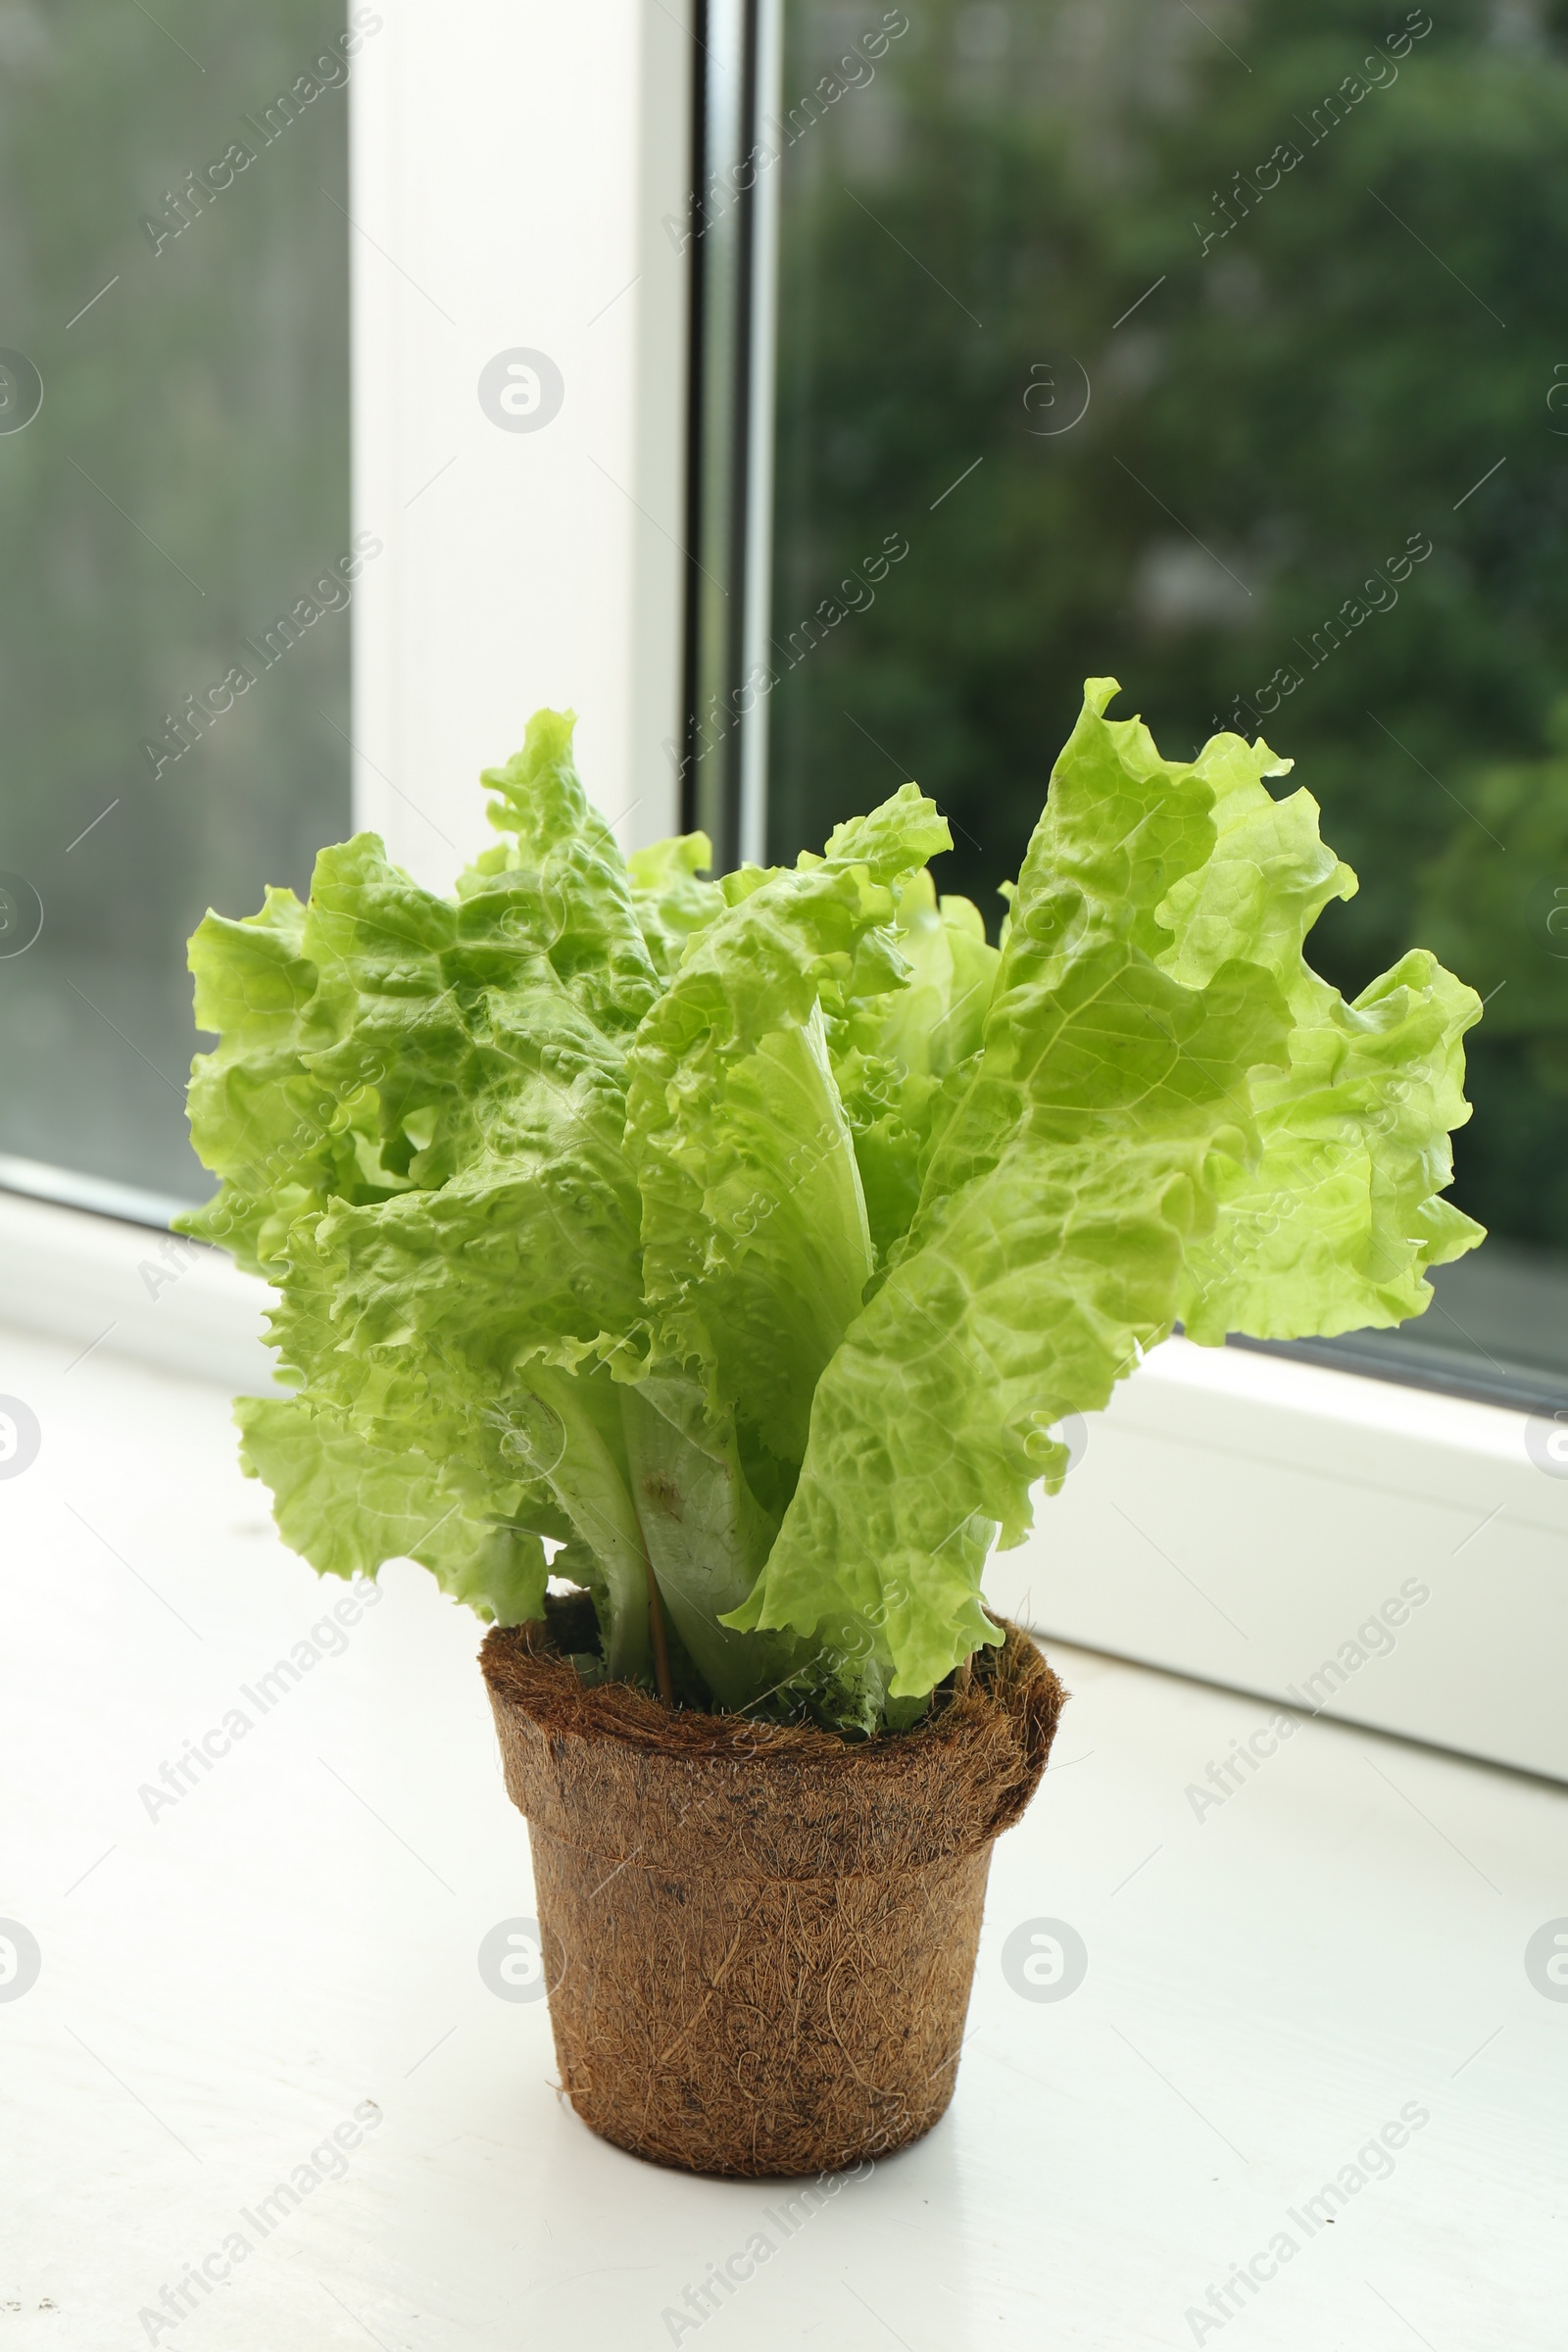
[
  {"x": 473, "y": 1055},
  {"x": 755, "y": 1250},
  {"x": 1067, "y": 1178},
  {"x": 348, "y": 1507},
  {"x": 282, "y": 1140},
  {"x": 891, "y": 1053},
  {"x": 1334, "y": 1225},
  {"x": 672, "y": 905}
]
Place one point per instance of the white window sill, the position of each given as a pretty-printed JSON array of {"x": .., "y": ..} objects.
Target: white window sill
[
  {"x": 1268, "y": 1986},
  {"x": 99, "y": 1286},
  {"x": 1241, "y": 1517}
]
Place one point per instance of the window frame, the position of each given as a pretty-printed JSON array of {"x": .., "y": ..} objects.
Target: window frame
[
  {"x": 599, "y": 613},
  {"x": 462, "y": 196}
]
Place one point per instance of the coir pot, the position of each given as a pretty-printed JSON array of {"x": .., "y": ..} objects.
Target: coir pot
[{"x": 758, "y": 1942}]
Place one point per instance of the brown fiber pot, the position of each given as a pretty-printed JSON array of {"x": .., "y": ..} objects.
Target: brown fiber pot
[{"x": 758, "y": 1942}]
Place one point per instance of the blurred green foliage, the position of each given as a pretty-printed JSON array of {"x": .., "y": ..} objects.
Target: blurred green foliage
[
  {"x": 184, "y": 482},
  {"x": 1294, "y": 401}
]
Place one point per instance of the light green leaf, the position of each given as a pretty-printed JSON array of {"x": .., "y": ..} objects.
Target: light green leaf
[
  {"x": 704, "y": 1534},
  {"x": 673, "y": 906},
  {"x": 348, "y": 1507},
  {"x": 282, "y": 1140},
  {"x": 1335, "y": 1225},
  {"x": 1066, "y": 1181},
  {"x": 470, "y": 1221},
  {"x": 891, "y": 1052},
  {"x": 576, "y": 900},
  {"x": 756, "y": 1248}
]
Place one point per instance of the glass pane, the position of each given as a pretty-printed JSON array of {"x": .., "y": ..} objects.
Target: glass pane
[
  {"x": 1225, "y": 351},
  {"x": 174, "y": 516}
]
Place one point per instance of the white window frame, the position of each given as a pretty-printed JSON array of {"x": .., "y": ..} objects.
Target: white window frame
[
  {"x": 1235, "y": 1516},
  {"x": 512, "y": 175}
]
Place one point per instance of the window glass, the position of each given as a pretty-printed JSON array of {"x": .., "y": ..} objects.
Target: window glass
[
  {"x": 173, "y": 501},
  {"x": 1224, "y": 350}
]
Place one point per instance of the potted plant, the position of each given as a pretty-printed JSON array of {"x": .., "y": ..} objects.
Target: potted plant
[{"x": 741, "y": 1244}]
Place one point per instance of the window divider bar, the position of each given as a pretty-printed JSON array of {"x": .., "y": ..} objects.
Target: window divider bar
[
  {"x": 763, "y": 372},
  {"x": 733, "y": 245}
]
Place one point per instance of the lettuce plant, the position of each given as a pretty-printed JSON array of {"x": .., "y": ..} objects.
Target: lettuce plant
[{"x": 745, "y": 1242}]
